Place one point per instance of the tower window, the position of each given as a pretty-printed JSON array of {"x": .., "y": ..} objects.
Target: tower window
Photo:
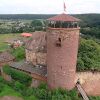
[
  {"x": 59, "y": 39},
  {"x": 58, "y": 43}
]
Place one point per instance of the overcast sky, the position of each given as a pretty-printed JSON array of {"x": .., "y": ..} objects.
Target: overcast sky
[{"x": 48, "y": 6}]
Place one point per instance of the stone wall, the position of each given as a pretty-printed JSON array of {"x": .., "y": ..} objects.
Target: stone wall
[
  {"x": 37, "y": 80},
  {"x": 39, "y": 77},
  {"x": 30, "y": 56},
  {"x": 36, "y": 57},
  {"x": 36, "y": 83},
  {"x": 5, "y": 63},
  {"x": 90, "y": 82},
  {"x": 61, "y": 59},
  {"x": 41, "y": 58}
]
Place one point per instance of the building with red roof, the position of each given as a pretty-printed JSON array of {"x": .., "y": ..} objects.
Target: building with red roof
[
  {"x": 26, "y": 34},
  {"x": 63, "y": 21}
]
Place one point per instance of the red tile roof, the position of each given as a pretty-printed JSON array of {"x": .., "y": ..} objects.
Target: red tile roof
[
  {"x": 64, "y": 17},
  {"x": 26, "y": 34}
]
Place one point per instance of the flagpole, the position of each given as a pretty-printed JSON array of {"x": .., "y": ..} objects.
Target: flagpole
[{"x": 64, "y": 7}]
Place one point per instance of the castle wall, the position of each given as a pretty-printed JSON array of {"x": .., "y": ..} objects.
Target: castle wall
[
  {"x": 39, "y": 77},
  {"x": 37, "y": 80},
  {"x": 35, "y": 83},
  {"x": 90, "y": 82},
  {"x": 30, "y": 56},
  {"x": 41, "y": 58},
  {"x": 61, "y": 61},
  {"x": 5, "y": 63},
  {"x": 36, "y": 57}
]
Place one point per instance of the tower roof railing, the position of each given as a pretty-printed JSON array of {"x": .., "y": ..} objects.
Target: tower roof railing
[{"x": 64, "y": 17}]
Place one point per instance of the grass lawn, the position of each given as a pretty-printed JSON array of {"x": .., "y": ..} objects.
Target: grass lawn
[
  {"x": 9, "y": 92},
  {"x": 4, "y": 37},
  {"x": 3, "y": 46}
]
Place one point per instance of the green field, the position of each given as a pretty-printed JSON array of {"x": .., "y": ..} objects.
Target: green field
[{"x": 4, "y": 37}]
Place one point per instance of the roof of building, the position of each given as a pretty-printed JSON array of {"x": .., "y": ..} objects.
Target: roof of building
[
  {"x": 26, "y": 34},
  {"x": 37, "y": 42},
  {"x": 6, "y": 56},
  {"x": 29, "y": 67},
  {"x": 64, "y": 17}
]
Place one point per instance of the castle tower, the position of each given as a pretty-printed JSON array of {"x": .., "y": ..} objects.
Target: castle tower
[{"x": 62, "y": 48}]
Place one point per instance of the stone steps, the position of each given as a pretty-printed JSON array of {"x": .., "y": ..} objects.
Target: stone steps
[{"x": 82, "y": 92}]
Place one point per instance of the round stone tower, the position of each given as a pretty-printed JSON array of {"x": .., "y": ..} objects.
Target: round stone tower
[{"x": 62, "y": 47}]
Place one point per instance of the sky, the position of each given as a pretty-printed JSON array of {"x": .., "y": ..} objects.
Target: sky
[{"x": 49, "y": 6}]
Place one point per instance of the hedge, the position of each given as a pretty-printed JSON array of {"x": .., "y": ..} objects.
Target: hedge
[{"x": 18, "y": 75}]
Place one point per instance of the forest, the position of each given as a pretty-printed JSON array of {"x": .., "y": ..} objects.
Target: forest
[{"x": 17, "y": 23}]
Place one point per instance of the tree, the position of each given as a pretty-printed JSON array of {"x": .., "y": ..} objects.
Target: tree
[
  {"x": 89, "y": 55},
  {"x": 35, "y": 23},
  {"x": 19, "y": 53}
]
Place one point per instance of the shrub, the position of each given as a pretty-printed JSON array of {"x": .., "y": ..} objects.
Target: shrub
[
  {"x": 1, "y": 80},
  {"x": 32, "y": 97},
  {"x": 89, "y": 55},
  {"x": 94, "y": 98},
  {"x": 60, "y": 94},
  {"x": 41, "y": 94},
  {"x": 43, "y": 86},
  {"x": 35, "y": 23},
  {"x": 18, "y": 86},
  {"x": 7, "y": 69},
  {"x": 30, "y": 91},
  {"x": 1, "y": 86},
  {"x": 19, "y": 53},
  {"x": 18, "y": 75}
]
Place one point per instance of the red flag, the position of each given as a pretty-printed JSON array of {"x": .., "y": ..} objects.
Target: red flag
[{"x": 64, "y": 6}]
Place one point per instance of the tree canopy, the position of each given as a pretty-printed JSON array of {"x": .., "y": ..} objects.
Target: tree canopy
[{"x": 89, "y": 55}]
